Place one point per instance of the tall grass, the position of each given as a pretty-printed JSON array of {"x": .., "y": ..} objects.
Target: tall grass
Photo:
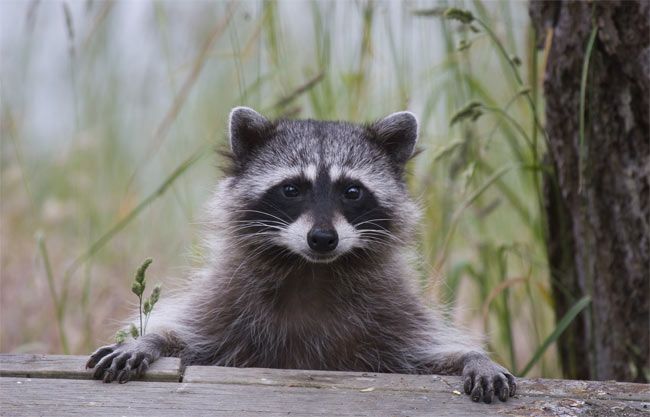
[{"x": 125, "y": 177}]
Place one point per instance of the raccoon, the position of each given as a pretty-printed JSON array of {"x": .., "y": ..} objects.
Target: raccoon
[{"x": 309, "y": 247}]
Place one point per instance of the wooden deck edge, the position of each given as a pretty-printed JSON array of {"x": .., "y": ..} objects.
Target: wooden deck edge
[
  {"x": 74, "y": 367},
  {"x": 556, "y": 388},
  {"x": 28, "y": 397},
  {"x": 170, "y": 370}
]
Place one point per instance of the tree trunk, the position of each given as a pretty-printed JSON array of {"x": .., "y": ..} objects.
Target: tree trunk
[{"x": 598, "y": 200}]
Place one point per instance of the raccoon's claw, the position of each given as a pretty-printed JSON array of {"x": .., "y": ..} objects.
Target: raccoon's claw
[
  {"x": 483, "y": 379},
  {"x": 120, "y": 362},
  {"x": 98, "y": 354}
]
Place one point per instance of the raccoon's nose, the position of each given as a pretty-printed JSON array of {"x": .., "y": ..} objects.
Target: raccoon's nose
[{"x": 322, "y": 240}]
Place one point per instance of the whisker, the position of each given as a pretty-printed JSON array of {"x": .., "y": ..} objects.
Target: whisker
[
  {"x": 365, "y": 213},
  {"x": 263, "y": 213}
]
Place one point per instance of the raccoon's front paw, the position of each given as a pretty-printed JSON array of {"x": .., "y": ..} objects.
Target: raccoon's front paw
[
  {"x": 483, "y": 379},
  {"x": 121, "y": 362}
]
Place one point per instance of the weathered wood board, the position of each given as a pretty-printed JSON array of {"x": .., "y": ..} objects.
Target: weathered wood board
[
  {"x": 74, "y": 367},
  {"x": 584, "y": 390},
  {"x": 217, "y": 391}
]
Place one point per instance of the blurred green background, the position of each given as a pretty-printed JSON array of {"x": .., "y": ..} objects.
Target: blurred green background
[{"x": 111, "y": 111}]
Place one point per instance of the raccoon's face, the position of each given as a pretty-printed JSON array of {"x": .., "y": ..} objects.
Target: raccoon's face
[{"x": 320, "y": 190}]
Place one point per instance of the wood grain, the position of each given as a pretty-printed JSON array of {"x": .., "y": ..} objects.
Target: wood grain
[
  {"x": 74, "y": 367},
  {"x": 31, "y": 397},
  {"x": 55, "y": 385},
  {"x": 597, "y": 390}
]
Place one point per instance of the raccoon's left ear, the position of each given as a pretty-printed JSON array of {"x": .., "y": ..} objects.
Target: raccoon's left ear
[
  {"x": 397, "y": 134},
  {"x": 247, "y": 129}
]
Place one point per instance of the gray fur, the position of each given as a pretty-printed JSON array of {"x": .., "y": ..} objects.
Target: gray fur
[{"x": 360, "y": 312}]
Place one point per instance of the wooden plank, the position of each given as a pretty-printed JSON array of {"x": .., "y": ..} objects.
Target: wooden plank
[
  {"x": 587, "y": 390},
  {"x": 33, "y": 397},
  {"x": 584, "y": 390},
  {"x": 74, "y": 367}
]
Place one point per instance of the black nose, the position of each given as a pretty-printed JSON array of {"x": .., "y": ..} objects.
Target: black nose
[{"x": 322, "y": 240}]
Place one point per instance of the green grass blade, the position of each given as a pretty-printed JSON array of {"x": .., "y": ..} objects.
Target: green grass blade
[
  {"x": 283, "y": 102},
  {"x": 58, "y": 305},
  {"x": 583, "y": 93},
  {"x": 559, "y": 329}
]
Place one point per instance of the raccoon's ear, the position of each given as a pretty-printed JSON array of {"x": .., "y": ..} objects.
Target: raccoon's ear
[
  {"x": 247, "y": 129},
  {"x": 397, "y": 134}
]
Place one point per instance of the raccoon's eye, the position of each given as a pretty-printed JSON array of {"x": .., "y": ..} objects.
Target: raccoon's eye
[
  {"x": 353, "y": 192},
  {"x": 290, "y": 191}
]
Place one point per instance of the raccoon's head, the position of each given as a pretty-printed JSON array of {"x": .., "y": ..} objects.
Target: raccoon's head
[{"x": 322, "y": 190}]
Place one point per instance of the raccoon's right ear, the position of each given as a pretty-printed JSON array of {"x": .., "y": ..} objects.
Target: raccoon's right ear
[{"x": 247, "y": 129}]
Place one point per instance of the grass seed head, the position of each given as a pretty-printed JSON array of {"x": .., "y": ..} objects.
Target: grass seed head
[
  {"x": 146, "y": 307},
  {"x": 134, "y": 331},
  {"x": 155, "y": 295},
  {"x": 120, "y": 336},
  {"x": 139, "y": 275},
  {"x": 470, "y": 111},
  {"x": 137, "y": 288},
  {"x": 462, "y": 16}
]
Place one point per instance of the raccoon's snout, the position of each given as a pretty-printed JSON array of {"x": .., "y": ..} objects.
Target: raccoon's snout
[{"x": 322, "y": 240}]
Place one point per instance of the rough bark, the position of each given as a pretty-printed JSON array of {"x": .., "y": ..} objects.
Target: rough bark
[{"x": 598, "y": 235}]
